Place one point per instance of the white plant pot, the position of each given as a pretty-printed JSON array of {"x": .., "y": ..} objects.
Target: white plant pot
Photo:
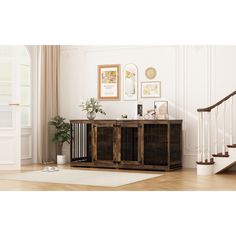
[
  {"x": 61, "y": 159},
  {"x": 204, "y": 169}
]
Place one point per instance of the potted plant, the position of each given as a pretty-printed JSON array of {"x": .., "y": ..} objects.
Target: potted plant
[
  {"x": 62, "y": 135},
  {"x": 92, "y": 107}
]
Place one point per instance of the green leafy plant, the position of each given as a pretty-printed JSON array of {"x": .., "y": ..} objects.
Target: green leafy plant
[
  {"x": 92, "y": 105},
  {"x": 62, "y": 133}
]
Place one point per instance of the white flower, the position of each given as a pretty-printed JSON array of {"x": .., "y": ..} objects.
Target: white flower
[{"x": 92, "y": 105}]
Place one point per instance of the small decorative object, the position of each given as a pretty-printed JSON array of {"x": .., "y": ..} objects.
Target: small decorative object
[
  {"x": 130, "y": 82},
  {"x": 151, "y": 89},
  {"x": 50, "y": 169},
  {"x": 92, "y": 107},
  {"x": 161, "y": 109},
  {"x": 140, "y": 110},
  {"x": 150, "y": 73},
  {"x": 151, "y": 114},
  {"x": 109, "y": 82},
  {"x": 91, "y": 115},
  {"x": 61, "y": 136},
  {"x": 124, "y": 116}
]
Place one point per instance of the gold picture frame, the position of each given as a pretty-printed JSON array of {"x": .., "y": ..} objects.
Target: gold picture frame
[
  {"x": 151, "y": 89},
  {"x": 109, "y": 82}
]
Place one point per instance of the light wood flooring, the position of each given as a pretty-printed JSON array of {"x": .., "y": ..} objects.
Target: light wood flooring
[{"x": 183, "y": 180}]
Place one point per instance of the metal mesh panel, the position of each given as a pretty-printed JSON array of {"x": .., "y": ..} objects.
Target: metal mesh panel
[
  {"x": 105, "y": 143},
  {"x": 155, "y": 144},
  {"x": 129, "y": 144},
  {"x": 175, "y": 136}
]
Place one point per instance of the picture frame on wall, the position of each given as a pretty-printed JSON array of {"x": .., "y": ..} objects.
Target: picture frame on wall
[
  {"x": 130, "y": 82},
  {"x": 109, "y": 82},
  {"x": 151, "y": 89}
]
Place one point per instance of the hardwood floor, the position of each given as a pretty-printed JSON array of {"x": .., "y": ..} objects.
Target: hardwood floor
[{"x": 183, "y": 180}]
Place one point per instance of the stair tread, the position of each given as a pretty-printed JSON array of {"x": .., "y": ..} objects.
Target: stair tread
[
  {"x": 232, "y": 146},
  {"x": 205, "y": 163},
  {"x": 221, "y": 154}
]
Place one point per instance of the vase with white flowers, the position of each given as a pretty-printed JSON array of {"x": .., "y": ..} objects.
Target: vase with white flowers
[{"x": 92, "y": 106}]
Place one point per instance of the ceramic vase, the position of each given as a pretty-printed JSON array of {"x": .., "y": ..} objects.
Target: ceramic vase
[{"x": 91, "y": 115}]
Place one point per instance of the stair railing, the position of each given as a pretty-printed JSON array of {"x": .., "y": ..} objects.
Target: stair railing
[{"x": 204, "y": 130}]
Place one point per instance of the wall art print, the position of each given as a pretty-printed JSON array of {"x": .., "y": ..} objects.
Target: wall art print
[
  {"x": 109, "y": 82},
  {"x": 151, "y": 89},
  {"x": 130, "y": 81}
]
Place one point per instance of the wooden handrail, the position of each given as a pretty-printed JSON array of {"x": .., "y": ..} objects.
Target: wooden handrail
[{"x": 208, "y": 109}]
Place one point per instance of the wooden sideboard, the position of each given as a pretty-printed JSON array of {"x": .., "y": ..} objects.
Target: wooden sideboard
[{"x": 129, "y": 144}]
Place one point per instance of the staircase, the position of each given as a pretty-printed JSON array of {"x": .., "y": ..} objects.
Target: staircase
[{"x": 216, "y": 150}]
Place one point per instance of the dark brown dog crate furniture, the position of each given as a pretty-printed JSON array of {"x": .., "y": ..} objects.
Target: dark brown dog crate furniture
[{"x": 129, "y": 144}]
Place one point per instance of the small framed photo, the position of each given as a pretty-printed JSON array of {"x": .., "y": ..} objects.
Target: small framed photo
[
  {"x": 151, "y": 89},
  {"x": 161, "y": 109},
  {"x": 109, "y": 82}
]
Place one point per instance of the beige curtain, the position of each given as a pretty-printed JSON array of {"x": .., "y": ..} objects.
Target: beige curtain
[{"x": 49, "y": 71}]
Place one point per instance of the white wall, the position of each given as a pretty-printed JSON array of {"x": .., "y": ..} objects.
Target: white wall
[{"x": 191, "y": 77}]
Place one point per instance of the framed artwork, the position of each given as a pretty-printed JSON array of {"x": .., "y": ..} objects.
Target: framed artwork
[
  {"x": 161, "y": 109},
  {"x": 150, "y": 72},
  {"x": 151, "y": 89},
  {"x": 130, "y": 82},
  {"x": 109, "y": 82}
]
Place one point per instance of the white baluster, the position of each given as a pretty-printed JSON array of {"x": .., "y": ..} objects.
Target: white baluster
[
  {"x": 209, "y": 137},
  {"x": 203, "y": 138},
  {"x": 199, "y": 137},
  {"x": 231, "y": 122},
  {"x": 223, "y": 141},
  {"x": 216, "y": 132}
]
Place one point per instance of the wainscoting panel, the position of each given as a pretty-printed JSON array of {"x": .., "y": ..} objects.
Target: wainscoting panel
[
  {"x": 7, "y": 146},
  {"x": 26, "y": 143},
  {"x": 193, "y": 90}
]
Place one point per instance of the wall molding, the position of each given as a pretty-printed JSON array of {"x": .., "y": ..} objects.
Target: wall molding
[
  {"x": 177, "y": 80},
  {"x": 10, "y": 161},
  {"x": 190, "y": 149},
  {"x": 103, "y": 48},
  {"x": 29, "y": 145},
  {"x": 213, "y": 84},
  {"x": 209, "y": 75},
  {"x": 186, "y": 149}
]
